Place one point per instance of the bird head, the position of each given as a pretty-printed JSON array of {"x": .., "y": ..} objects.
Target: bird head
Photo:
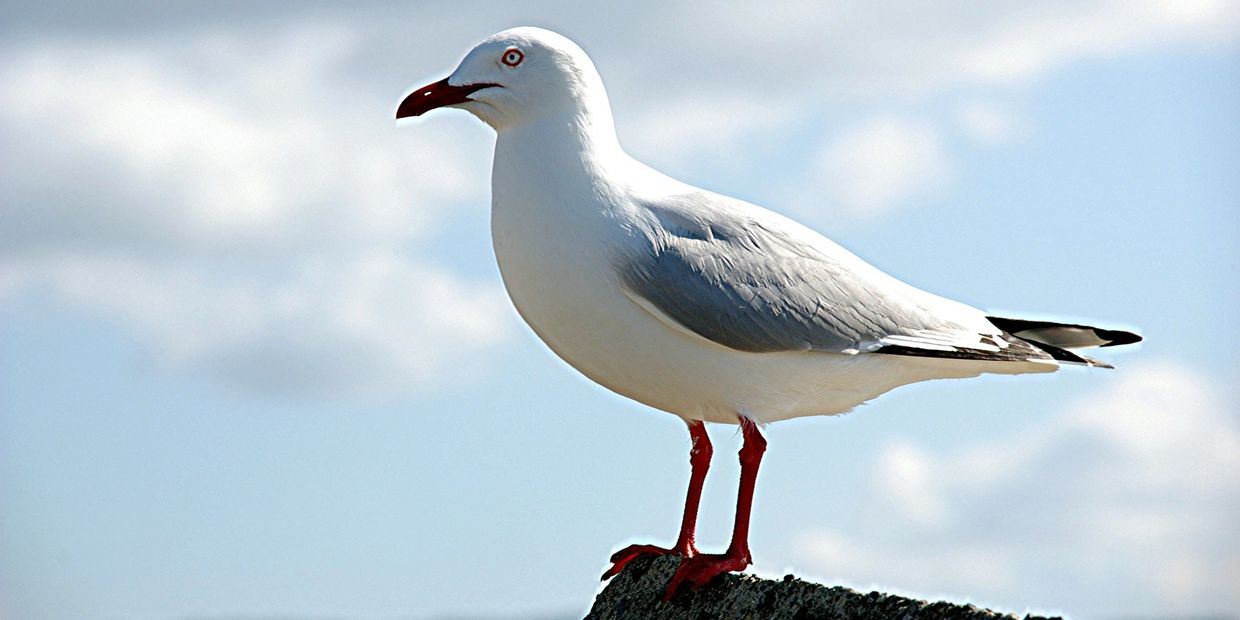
[{"x": 513, "y": 77}]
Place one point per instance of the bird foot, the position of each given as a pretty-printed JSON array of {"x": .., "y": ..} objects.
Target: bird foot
[
  {"x": 622, "y": 557},
  {"x": 698, "y": 570}
]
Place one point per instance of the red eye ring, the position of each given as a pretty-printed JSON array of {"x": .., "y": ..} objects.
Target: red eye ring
[{"x": 512, "y": 57}]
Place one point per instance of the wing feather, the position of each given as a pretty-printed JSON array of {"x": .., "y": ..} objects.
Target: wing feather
[{"x": 751, "y": 280}]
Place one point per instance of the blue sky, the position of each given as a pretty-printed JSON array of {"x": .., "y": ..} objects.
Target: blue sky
[{"x": 255, "y": 360}]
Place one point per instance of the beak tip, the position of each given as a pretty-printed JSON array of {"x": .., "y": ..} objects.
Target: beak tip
[
  {"x": 405, "y": 110},
  {"x": 423, "y": 100}
]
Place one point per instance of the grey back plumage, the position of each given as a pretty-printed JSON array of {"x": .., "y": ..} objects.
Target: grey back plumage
[{"x": 754, "y": 281}]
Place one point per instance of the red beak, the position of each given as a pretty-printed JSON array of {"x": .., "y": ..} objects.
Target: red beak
[{"x": 437, "y": 95}]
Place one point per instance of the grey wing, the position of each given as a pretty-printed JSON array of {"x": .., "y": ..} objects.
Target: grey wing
[
  {"x": 740, "y": 298},
  {"x": 753, "y": 281}
]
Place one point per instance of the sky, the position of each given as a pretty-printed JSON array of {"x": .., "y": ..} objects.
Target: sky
[{"x": 256, "y": 360}]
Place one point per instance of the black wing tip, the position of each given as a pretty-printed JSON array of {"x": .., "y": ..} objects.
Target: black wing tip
[
  {"x": 1112, "y": 337},
  {"x": 1117, "y": 337}
]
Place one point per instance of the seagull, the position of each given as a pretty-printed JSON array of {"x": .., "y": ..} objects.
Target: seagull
[{"x": 701, "y": 305}]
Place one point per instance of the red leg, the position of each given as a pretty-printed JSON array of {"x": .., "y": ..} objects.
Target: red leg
[
  {"x": 698, "y": 569},
  {"x": 699, "y": 460}
]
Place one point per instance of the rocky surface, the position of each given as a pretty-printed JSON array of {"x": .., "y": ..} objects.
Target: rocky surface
[{"x": 637, "y": 593}]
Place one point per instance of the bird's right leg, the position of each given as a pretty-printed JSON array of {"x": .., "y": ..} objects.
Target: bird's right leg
[{"x": 699, "y": 460}]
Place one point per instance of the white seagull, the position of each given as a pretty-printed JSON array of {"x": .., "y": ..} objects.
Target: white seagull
[{"x": 701, "y": 305}]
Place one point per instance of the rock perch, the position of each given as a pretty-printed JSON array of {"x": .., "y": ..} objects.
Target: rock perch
[{"x": 636, "y": 593}]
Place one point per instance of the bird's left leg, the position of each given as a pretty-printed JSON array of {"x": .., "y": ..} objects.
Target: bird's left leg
[
  {"x": 699, "y": 460},
  {"x": 695, "y": 571}
]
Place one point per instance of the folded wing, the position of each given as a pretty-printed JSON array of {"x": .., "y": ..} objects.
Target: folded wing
[{"x": 751, "y": 280}]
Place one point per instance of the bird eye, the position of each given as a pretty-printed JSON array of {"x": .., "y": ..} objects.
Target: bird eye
[{"x": 512, "y": 57}]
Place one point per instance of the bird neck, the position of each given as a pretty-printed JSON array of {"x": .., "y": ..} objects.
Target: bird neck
[{"x": 580, "y": 142}]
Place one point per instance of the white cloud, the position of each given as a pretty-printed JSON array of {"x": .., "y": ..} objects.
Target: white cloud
[
  {"x": 710, "y": 130},
  {"x": 217, "y": 141},
  {"x": 963, "y": 568},
  {"x": 872, "y": 167},
  {"x": 1131, "y": 495},
  {"x": 879, "y": 49},
  {"x": 370, "y": 325},
  {"x": 241, "y": 209},
  {"x": 759, "y": 68},
  {"x": 1038, "y": 39},
  {"x": 902, "y": 472},
  {"x": 990, "y": 124}
]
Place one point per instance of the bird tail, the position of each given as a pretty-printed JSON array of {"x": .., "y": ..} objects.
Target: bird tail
[{"x": 1059, "y": 339}]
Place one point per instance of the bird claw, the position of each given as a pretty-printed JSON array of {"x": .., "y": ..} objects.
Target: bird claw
[
  {"x": 622, "y": 557},
  {"x": 695, "y": 570},
  {"x": 698, "y": 570}
]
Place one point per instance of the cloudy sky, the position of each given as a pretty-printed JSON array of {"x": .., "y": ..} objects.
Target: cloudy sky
[{"x": 256, "y": 360}]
